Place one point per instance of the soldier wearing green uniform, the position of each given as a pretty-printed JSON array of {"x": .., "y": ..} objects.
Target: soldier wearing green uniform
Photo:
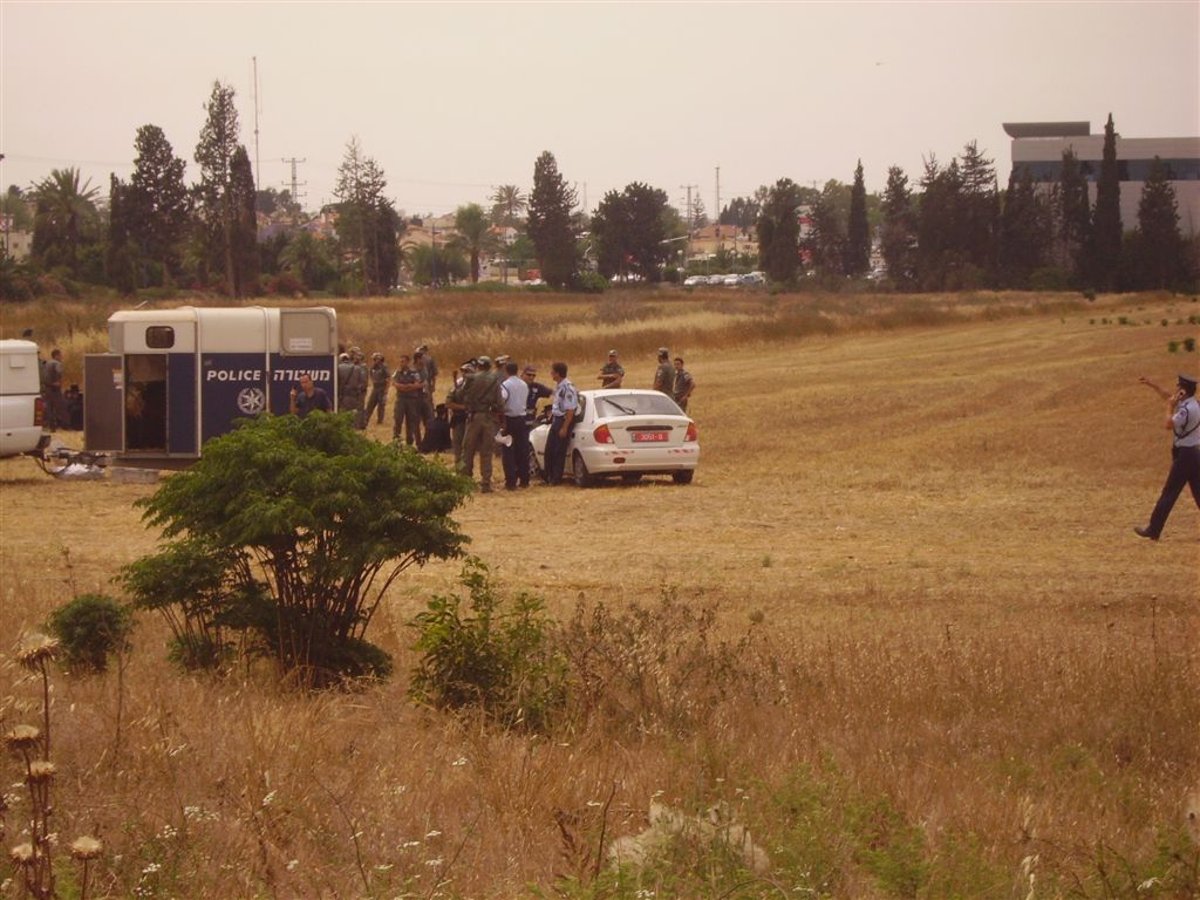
[
  {"x": 611, "y": 373},
  {"x": 664, "y": 376},
  {"x": 484, "y": 405},
  {"x": 410, "y": 390}
]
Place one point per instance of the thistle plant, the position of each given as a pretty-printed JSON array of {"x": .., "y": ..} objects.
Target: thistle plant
[{"x": 31, "y": 746}]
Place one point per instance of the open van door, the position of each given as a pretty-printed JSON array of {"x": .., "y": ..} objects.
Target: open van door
[{"x": 103, "y": 403}]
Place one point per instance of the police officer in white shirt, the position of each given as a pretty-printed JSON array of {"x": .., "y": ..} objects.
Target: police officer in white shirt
[{"x": 1183, "y": 419}]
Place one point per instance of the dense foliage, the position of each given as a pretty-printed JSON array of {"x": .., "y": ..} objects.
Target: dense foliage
[
  {"x": 953, "y": 229},
  {"x": 630, "y": 229},
  {"x": 91, "y": 628}
]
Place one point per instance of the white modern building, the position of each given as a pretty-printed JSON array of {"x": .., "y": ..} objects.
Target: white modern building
[{"x": 1039, "y": 146}]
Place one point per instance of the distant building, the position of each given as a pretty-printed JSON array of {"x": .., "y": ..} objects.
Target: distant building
[{"x": 1038, "y": 147}]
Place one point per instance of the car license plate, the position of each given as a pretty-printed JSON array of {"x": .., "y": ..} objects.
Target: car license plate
[{"x": 645, "y": 437}]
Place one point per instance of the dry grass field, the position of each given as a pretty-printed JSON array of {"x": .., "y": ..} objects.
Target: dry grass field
[{"x": 941, "y": 663}]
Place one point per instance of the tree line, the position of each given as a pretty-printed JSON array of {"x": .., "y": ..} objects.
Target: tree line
[{"x": 954, "y": 229}]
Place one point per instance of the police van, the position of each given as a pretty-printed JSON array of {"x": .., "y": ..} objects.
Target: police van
[{"x": 174, "y": 379}]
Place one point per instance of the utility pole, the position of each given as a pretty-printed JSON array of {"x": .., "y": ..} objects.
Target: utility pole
[
  {"x": 295, "y": 184},
  {"x": 689, "y": 221},
  {"x": 717, "y": 211}
]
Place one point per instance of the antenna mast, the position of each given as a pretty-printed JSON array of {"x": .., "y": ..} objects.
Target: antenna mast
[{"x": 257, "y": 166}]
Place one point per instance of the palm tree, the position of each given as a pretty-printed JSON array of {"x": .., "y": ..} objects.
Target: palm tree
[
  {"x": 65, "y": 215},
  {"x": 508, "y": 202},
  {"x": 474, "y": 234}
]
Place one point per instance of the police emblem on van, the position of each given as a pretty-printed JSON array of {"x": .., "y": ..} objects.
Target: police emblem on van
[{"x": 251, "y": 401}]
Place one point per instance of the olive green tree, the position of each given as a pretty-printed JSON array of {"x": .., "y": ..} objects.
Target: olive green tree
[{"x": 301, "y": 526}]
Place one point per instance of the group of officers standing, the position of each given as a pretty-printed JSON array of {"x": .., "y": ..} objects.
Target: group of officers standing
[{"x": 492, "y": 404}]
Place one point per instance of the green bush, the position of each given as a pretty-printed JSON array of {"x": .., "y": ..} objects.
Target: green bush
[
  {"x": 590, "y": 283},
  {"x": 290, "y": 530},
  {"x": 91, "y": 628},
  {"x": 489, "y": 655}
]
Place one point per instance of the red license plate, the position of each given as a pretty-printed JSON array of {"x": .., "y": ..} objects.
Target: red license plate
[{"x": 647, "y": 437}]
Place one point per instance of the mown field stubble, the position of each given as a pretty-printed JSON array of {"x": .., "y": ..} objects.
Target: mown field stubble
[{"x": 949, "y": 667}]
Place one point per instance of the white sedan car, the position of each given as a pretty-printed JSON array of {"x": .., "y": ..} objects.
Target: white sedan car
[{"x": 627, "y": 433}]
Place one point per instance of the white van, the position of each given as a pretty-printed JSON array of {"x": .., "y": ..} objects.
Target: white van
[{"x": 22, "y": 408}]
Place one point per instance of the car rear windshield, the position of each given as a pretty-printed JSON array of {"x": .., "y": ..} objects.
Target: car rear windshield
[{"x": 650, "y": 404}]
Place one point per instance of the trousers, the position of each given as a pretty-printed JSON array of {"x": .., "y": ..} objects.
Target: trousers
[{"x": 1185, "y": 469}]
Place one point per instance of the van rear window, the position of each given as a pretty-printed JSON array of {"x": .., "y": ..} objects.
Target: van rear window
[{"x": 160, "y": 337}]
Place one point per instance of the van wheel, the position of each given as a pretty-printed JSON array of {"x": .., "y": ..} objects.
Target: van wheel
[
  {"x": 583, "y": 478},
  {"x": 683, "y": 476}
]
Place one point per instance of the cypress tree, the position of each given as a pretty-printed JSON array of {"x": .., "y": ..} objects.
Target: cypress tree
[
  {"x": 1074, "y": 215},
  {"x": 779, "y": 231},
  {"x": 159, "y": 206},
  {"x": 549, "y": 222},
  {"x": 897, "y": 234},
  {"x": 858, "y": 234},
  {"x": 1159, "y": 245},
  {"x": 1024, "y": 231},
  {"x": 1104, "y": 256},
  {"x": 214, "y": 155},
  {"x": 245, "y": 224}
]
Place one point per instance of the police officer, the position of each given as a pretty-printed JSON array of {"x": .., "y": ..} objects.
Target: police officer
[
  {"x": 410, "y": 386},
  {"x": 1183, "y": 419},
  {"x": 379, "y": 376},
  {"x": 484, "y": 404}
]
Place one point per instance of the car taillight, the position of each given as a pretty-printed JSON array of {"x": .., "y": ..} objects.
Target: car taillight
[
  {"x": 39, "y": 412},
  {"x": 603, "y": 435},
  {"x": 692, "y": 434}
]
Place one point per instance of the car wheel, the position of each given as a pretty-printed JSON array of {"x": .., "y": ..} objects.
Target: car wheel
[
  {"x": 631, "y": 477},
  {"x": 583, "y": 478},
  {"x": 683, "y": 476}
]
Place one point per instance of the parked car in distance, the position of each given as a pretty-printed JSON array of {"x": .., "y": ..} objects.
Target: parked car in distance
[
  {"x": 22, "y": 409},
  {"x": 716, "y": 279},
  {"x": 693, "y": 280},
  {"x": 754, "y": 278},
  {"x": 625, "y": 433},
  {"x": 732, "y": 280}
]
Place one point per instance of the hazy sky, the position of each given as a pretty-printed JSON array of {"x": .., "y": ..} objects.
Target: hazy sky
[{"x": 452, "y": 99}]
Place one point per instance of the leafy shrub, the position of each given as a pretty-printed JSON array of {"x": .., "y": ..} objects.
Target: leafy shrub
[
  {"x": 1050, "y": 278},
  {"x": 590, "y": 283},
  {"x": 489, "y": 655},
  {"x": 91, "y": 628},
  {"x": 285, "y": 284},
  {"x": 290, "y": 530}
]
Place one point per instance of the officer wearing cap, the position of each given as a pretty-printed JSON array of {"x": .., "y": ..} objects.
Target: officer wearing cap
[
  {"x": 379, "y": 376},
  {"x": 611, "y": 373},
  {"x": 485, "y": 407},
  {"x": 1183, "y": 420},
  {"x": 664, "y": 375}
]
